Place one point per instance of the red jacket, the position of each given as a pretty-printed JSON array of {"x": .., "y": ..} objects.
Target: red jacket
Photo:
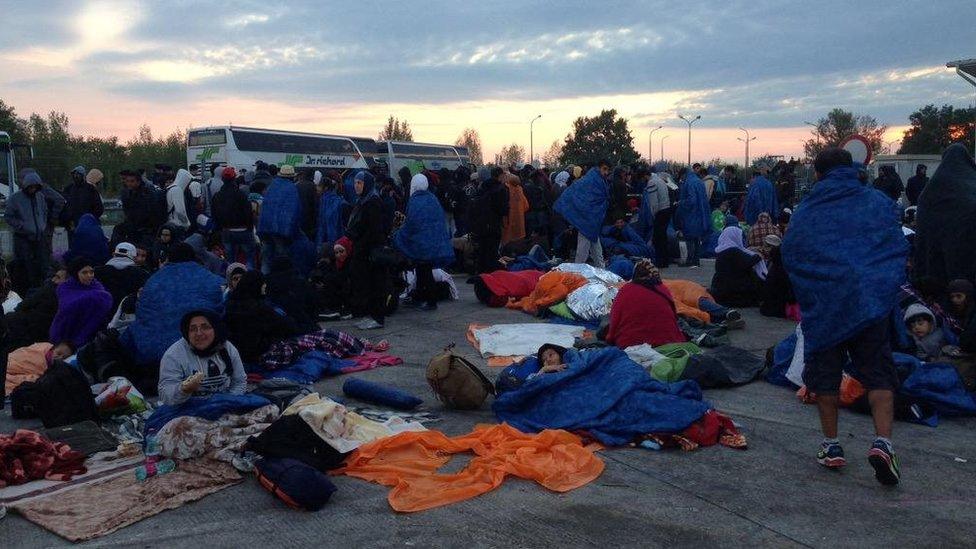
[{"x": 641, "y": 315}]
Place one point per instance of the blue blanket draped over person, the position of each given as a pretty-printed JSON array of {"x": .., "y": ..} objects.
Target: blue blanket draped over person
[
  {"x": 645, "y": 217},
  {"x": 621, "y": 266},
  {"x": 624, "y": 241},
  {"x": 760, "y": 198},
  {"x": 171, "y": 292},
  {"x": 844, "y": 285},
  {"x": 210, "y": 408},
  {"x": 605, "y": 394},
  {"x": 332, "y": 214},
  {"x": 694, "y": 217},
  {"x": 303, "y": 254},
  {"x": 88, "y": 241},
  {"x": 584, "y": 204},
  {"x": 349, "y": 187},
  {"x": 281, "y": 210},
  {"x": 424, "y": 236}
]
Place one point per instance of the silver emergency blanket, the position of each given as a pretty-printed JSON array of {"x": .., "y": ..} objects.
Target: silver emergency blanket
[
  {"x": 592, "y": 301},
  {"x": 590, "y": 273}
]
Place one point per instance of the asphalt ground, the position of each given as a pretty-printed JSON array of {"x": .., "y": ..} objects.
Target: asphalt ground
[{"x": 773, "y": 494}]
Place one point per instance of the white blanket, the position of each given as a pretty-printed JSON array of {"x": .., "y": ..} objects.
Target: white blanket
[
  {"x": 523, "y": 339},
  {"x": 795, "y": 372}
]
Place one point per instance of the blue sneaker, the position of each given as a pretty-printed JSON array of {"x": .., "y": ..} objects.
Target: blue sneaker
[
  {"x": 885, "y": 464},
  {"x": 831, "y": 456}
]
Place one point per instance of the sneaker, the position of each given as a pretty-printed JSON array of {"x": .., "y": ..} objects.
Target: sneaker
[
  {"x": 329, "y": 315},
  {"x": 734, "y": 320},
  {"x": 369, "y": 324},
  {"x": 885, "y": 463},
  {"x": 831, "y": 456}
]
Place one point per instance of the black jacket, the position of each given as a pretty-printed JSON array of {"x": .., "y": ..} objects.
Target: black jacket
[
  {"x": 253, "y": 326},
  {"x": 916, "y": 184},
  {"x": 31, "y": 321},
  {"x": 144, "y": 207},
  {"x": 735, "y": 283},
  {"x": 366, "y": 226},
  {"x": 121, "y": 282},
  {"x": 309, "y": 200},
  {"x": 231, "y": 209},
  {"x": 80, "y": 199},
  {"x": 488, "y": 209}
]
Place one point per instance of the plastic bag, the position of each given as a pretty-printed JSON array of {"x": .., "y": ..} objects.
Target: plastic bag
[{"x": 118, "y": 397}]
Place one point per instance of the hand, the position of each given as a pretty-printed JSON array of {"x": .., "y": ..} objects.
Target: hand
[
  {"x": 192, "y": 384},
  {"x": 553, "y": 368}
]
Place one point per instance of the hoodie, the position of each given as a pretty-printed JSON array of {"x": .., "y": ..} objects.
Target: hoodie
[
  {"x": 928, "y": 347},
  {"x": 27, "y": 214},
  {"x": 175, "y": 203}
]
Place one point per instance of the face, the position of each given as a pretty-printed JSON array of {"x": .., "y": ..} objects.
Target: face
[
  {"x": 605, "y": 171},
  {"x": 360, "y": 186},
  {"x": 620, "y": 224},
  {"x": 86, "y": 275},
  {"x": 165, "y": 236},
  {"x": 60, "y": 276},
  {"x": 723, "y": 207},
  {"x": 920, "y": 327},
  {"x": 958, "y": 299},
  {"x": 654, "y": 271},
  {"x": 141, "y": 256},
  {"x": 201, "y": 333},
  {"x": 130, "y": 181},
  {"x": 551, "y": 358},
  {"x": 235, "y": 279},
  {"x": 340, "y": 252}
]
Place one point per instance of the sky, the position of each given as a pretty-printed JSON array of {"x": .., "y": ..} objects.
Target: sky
[{"x": 344, "y": 67}]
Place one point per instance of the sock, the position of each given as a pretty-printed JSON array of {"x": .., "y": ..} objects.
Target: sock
[
  {"x": 886, "y": 442},
  {"x": 830, "y": 442}
]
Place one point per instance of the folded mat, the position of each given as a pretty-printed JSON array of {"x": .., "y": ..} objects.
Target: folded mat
[
  {"x": 409, "y": 461},
  {"x": 108, "y": 505}
]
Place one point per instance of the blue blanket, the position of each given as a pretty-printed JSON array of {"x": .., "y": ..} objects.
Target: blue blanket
[
  {"x": 332, "y": 210},
  {"x": 303, "y": 254},
  {"x": 88, "y": 241},
  {"x": 604, "y": 393},
  {"x": 424, "y": 235},
  {"x": 311, "y": 367},
  {"x": 584, "y": 204},
  {"x": 211, "y": 408},
  {"x": 626, "y": 242},
  {"x": 621, "y": 266},
  {"x": 645, "y": 217},
  {"x": 693, "y": 215},
  {"x": 938, "y": 385},
  {"x": 760, "y": 198},
  {"x": 845, "y": 254},
  {"x": 281, "y": 210},
  {"x": 171, "y": 292}
]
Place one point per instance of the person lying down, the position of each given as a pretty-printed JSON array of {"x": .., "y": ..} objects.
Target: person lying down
[{"x": 549, "y": 359}]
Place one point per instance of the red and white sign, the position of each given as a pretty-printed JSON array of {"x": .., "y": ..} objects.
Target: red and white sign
[{"x": 859, "y": 147}]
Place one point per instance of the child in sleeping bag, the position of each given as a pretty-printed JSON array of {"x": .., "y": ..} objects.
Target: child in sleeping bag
[{"x": 549, "y": 359}]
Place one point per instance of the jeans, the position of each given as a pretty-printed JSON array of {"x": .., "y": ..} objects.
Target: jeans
[
  {"x": 238, "y": 242},
  {"x": 272, "y": 246},
  {"x": 586, "y": 249},
  {"x": 35, "y": 255},
  {"x": 693, "y": 243},
  {"x": 714, "y": 310}
]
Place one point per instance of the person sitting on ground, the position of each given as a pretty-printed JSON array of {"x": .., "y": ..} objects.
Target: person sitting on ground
[
  {"x": 330, "y": 280},
  {"x": 928, "y": 338},
  {"x": 205, "y": 257},
  {"x": 776, "y": 292},
  {"x": 962, "y": 306},
  {"x": 166, "y": 238},
  {"x": 30, "y": 322},
  {"x": 253, "y": 323},
  {"x": 763, "y": 228},
  {"x": 737, "y": 271},
  {"x": 88, "y": 240},
  {"x": 621, "y": 239},
  {"x": 718, "y": 216},
  {"x": 83, "y": 309},
  {"x": 233, "y": 275},
  {"x": 644, "y": 311},
  {"x": 549, "y": 359},
  {"x": 201, "y": 363},
  {"x": 125, "y": 314},
  {"x": 120, "y": 275}
]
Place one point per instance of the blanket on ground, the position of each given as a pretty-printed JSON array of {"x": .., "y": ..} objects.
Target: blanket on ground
[
  {"x": 584, "y": 204},
  {"x": 103, "y": 507},
  {"x": 409, "y": 462},
  {"x": 504, "y": 285},
  {"x": 222, "y": 439},
  {"x": 551, "y": 288},
  {"x": 338, "y": 344},
  {"x": 342, "y": 429},
  {"x": 26, "y": 456},
  {"x": 845, "y": 285},
  {"x": 605, "y": 394},
  {"x": 523, "y": 339},
  {"x": 210, "y": 408}
]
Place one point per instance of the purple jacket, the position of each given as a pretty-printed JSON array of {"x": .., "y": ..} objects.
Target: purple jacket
[{"x": 82, "y": 312}]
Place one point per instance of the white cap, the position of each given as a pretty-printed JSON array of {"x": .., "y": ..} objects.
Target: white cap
[{"x": 124, "y": 249}]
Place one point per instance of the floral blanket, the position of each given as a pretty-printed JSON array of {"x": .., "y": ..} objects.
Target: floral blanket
[{"x": 189, "y": 437}]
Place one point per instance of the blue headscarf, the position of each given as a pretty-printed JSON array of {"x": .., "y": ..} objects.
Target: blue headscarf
[
  {"x": 369, "y": 184},
  {"x": 845, "y": 254},
  {"x": 584, "y": 204},
  {"x": 694, "y": 215},
  {"x": 760, "y": 198}
]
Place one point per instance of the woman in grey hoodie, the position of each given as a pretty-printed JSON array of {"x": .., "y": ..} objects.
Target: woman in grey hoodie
[{"x": 202, "y": 362}]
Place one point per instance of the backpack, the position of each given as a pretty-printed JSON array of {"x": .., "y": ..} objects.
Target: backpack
[
  {"x": 457, "y": 382},
  {"x": 61, "y": 396},
  {"x": 295, "y": 483}
]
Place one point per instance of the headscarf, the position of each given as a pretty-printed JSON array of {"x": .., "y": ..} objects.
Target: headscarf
[
  {"x": 233, "y": 269},
  {"x": 249, "y": 286},
  {"x": 77, "y": 264},
  {"x": 220, "y": 331},
  {"x": 418, "y": 183},
  {"x": 181, "y": 252},
  {"x": 369, "y": 184},
  {"x": 730, "y": 238},
  {"x": 347, "y": 245},
  {"x": 643, "y": 276}
]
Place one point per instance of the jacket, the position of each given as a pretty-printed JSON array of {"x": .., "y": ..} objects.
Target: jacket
[
  {"x": 180, "y": 362},
  {"x": 144, "y": 207},
  {"x": 308, "y": 198},
  {"x": 81, "y": 198},
  {"x": 27, "y": 215},
  {"x": 176, "y": 213},
  {"x": 121, "y": 281},
  {"x": 231, "y": 209},
  {"x": 488, "y": 209}
]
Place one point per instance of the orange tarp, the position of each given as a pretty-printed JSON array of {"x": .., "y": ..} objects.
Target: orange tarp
[
  {"x": 552, "y": 288},
  {"x": 409, "y": 461},
  {"x": 686, "y": 294}
]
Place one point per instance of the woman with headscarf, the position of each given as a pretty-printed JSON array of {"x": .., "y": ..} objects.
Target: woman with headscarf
[
  {"x": 513, "y": 224},
  {"x": 83, "y": 309},
  {"x": 205, "y": 257},
  {"x": 644, "y": 311},
  {"x": 776, "y": 292},
  {"x": 371, "y": 287},
  {"x": 88, "y": 240},
  {"x": 202, "y": 363},
  {"x": 232, "y": 276},
  {"x": 168, "y": 236},
  {"x": 737, "y": 271},
  {"x": 763, "y": 228},
  {"x": 330, "y": 280},
  {"x": 424, "y": 239},
  {"x": 253, "y": 324}
]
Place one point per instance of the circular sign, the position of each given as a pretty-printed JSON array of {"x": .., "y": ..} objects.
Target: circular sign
[{"x": 859, "y": 147}]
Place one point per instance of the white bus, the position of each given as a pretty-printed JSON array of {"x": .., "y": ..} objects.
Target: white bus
[
  {"x": 429, "y": 155},
  {"x": 242, "y": 147}
]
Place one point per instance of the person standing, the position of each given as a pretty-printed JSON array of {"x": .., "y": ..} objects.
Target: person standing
[
  {"x": 845, "y": 255},
  {"x": 694, "y": 218},
  {"x": 889, "y": 182},
  {"x": 82, "y": 197},
  {"x": 370, "y": 281},
  {"x": 280, "y": 217},
  {"x": 143, "y": 208},
  {"x": 489, "y": 207},
  {"x": 309, "y": 199},
  {"x": 27, "y": 215},
  {"x": 584, "y": 206},
  {"x": 761, "y": 197},
  {"x": 658, "y": 205},
  {"x": 176, "y": 212},
  {"x": 425, "y": 240},
  {"x": 232, "y": 213},
  {"x": 916, "y": 184}
]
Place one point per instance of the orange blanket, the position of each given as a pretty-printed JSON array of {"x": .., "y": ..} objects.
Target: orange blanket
[
  {"x": 552, "y": 288},
  {"x": 26, "y": 364},
  {"x": 409, "y": 461},
  {"x": 686, "y": 294}
]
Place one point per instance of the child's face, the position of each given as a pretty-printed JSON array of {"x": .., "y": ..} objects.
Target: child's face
[
  {"x": 340, "y": 252},
  {"x": 958, "y": 299},
  {"x": 920, "y": 327},
  {"x": 550, "y": 358},
  {"x": 723, "y": 207}
]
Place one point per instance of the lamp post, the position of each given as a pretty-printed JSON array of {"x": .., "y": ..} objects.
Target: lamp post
[
  {"x": 531, "y": 140},
  {"x": 690, "y": 122},
  {"x": 650, "y": 138},
  {"x": 746, "y": 140},
  {"x": 662, "y": 146}
]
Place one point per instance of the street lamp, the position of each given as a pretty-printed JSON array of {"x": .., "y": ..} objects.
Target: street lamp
[
  {"x": 650, "y": 137},
  {"x": 531, "y": 141},
  {"x": 690, "y": 122},
  {"x": 966, "y": 68},
  {"x": 746, "y": 140},
  {"x": 662, "y": 146}
]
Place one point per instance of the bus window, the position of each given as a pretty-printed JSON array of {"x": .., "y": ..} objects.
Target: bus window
[
  {"x": 426, "y": 151},
  {"x": 292, "y": 144},
  {"x": 199, "y": 138}
]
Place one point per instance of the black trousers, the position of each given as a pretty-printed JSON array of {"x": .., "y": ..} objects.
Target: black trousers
[
  {"x": 426, "y": 290},
  {"x": 660, "y": 237},
  {"x": 487, "y": 250}
]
